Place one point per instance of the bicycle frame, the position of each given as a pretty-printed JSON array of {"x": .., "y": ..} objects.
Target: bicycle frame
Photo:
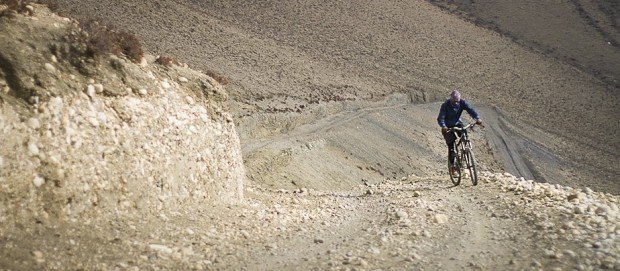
[{"x": 464, "y": 155}]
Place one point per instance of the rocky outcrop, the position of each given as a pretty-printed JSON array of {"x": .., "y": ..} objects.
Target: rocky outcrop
[{"x": 86, "y": 135}]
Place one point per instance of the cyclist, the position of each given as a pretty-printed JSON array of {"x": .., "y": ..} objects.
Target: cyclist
[{"x": 450, "y": 116}]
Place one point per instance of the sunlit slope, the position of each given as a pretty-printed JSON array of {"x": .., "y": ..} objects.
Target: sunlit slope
[{"x": 287, "y": 56}]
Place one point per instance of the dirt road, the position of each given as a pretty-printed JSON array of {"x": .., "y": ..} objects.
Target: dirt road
[{"x": 413, "y": 223}]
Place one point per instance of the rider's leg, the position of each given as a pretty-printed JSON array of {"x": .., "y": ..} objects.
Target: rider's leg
[
  {"x": 450, "y": 138},
  {"x": 451, "y": 154}
]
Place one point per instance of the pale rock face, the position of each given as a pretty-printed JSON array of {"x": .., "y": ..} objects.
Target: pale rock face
[{"x": 85, "y": 137}]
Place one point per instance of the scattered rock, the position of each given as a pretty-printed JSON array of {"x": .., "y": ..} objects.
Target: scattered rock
[
  {"x": 38, "y": 181},
  {"x": 189, "y": 100},
  {"x": 440, "y": 218},
  {"x": 165, "y": 84},
  {"x": 417, "y": 193},
  {"x": 50, "y": 68},
  {"x": 160, "y": 248},
  {"x": 34, "y": 123},
  {"x": 90, "y": 91},
  {"x": 400, "y": 214},
  {"x": 183, "y": 79},
  {"x": 98, "y": 88},
  {"x": 33, "y": 149},
  {"x": 38, "y": 256}
]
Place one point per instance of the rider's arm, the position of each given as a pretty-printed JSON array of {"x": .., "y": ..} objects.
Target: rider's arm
[
  {"x": 470, "y": 110},
  {"x": 441, "y": 118}
]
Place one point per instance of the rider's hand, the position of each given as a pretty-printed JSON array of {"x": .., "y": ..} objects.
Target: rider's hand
[{"x": 444, "y": 130}]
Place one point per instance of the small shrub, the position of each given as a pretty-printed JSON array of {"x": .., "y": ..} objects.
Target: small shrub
[
  {"x": 223, "y": 80},
  {"x": 167, "y": 61},
  {"x": 105, "y": 39}
]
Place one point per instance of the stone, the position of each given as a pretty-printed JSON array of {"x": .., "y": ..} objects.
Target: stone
[
  {"x": 417, "y": 193},
  {"x": 160, "y": 248},
  {"x": 1, "y": 161},
  {"x": 143, "y": 91},
  {"x": 374, "y": 250},
  {"x": 50, "y": 68},
  {"x": 90, "y": 91},
  {"x": 38, "y": 181},
  {"x": 189, "y": 100},
  {"x": 570, "y": 253},
  {"x": 98, "y": 88},
  {"x": 400, "y": 214},
  {"x": 165, "y": 84},
  {"x": 33, "y": 149},
  {"x": 440, "y": 218},
  {"x": 38, "y": 256},
  {"x": 183, "y": 79}
]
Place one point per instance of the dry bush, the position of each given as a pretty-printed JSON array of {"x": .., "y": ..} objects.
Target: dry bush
[
  {"x": 167, "y": 61},
  {"x": 105, "y": 39},
  {"x": 223, "y": 80}
]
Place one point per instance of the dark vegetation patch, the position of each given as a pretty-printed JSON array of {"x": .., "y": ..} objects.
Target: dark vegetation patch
[
  {"x": 167, "y": 61},
  {"x": 101, "y": 39},
  {"x": 223, "y": 80},
  {"x": 106, "y": 39}
]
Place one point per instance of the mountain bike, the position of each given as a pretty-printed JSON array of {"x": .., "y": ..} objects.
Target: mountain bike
[{"x": 464, "y": 156}]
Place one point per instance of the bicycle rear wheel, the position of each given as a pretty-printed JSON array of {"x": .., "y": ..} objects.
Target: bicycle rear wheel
[{"x": 471, "y": 165}]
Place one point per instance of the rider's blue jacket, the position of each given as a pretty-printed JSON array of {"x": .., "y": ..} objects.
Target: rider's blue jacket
[{"x": 450, "y": 114}]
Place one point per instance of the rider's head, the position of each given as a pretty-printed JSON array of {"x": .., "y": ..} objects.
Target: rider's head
[{"x": 455, "y": 96}]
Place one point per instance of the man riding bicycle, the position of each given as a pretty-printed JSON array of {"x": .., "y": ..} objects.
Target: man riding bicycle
[{"x": 450, "y": 116}]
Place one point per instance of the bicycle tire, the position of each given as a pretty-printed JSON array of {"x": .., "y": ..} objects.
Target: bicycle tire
[
  {"x": 456, "y": 179},
  {"x": 471, "y": 164}
]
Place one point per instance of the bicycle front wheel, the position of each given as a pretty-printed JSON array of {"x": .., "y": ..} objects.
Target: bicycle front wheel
[
  {"x": 471, "y": 165},
  {"x": 455, "y": 174}
]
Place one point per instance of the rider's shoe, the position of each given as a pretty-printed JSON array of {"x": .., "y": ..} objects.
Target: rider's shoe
[{"x": 453, "y": 170}]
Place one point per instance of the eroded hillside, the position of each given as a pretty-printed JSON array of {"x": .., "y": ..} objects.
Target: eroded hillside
[{"x": 87, "y": 136}]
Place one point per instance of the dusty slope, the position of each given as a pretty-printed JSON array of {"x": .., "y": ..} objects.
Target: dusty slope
[
  {"x": 284, "y": 57},
  {"x": 584, "y": 33},
  {"x": 413, "y": 223}
]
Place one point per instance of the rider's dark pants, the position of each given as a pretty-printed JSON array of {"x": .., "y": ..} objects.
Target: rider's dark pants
[{"x": 450, "y": 137}]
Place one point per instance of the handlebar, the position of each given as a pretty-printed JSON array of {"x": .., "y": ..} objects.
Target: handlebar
[{"x": 468, "y": 126}]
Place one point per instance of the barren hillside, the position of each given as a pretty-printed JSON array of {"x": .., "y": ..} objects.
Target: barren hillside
[
  {"x": 321, "y": 153},
  {"x": 293, "y": 62}
]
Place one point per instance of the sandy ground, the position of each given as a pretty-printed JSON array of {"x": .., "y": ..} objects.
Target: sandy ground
[{"x": 412, "y": 223}]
